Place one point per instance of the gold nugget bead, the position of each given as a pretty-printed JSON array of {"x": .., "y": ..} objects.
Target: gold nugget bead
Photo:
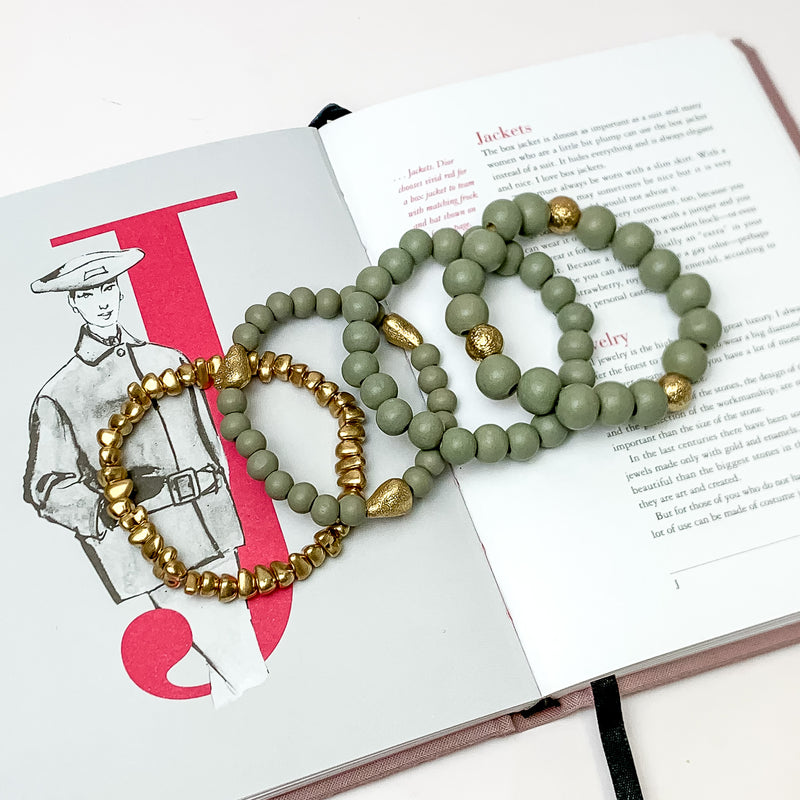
[
  {"x": 301, "y": 565},
  {"x": 192, "y": 584},
  {"x": 281, "y": 366},
  {"x": 392, "y": 498},
  {"x": 353, "y": 480},
  {"x": 132, "y": 410},
  {"x": 246, "y": 584},
  {"x": 139, "y": 395},
  {"x": 351, "y": 462},
  {"x": 118, "y": 508},
  {"x": 312, "y": 379},
  {"x": 338, "y": 529},
  {"x": 252, "y": 360},
  {"x": 265, "y": 580},
  {"x": 158, "y": 571},
  {"x": 139, "y": 535},
  {"x": 296, "y": 373},
  {"x": 110, "y": 456},
  {"x": 283, "y": 573},
  {"x": 201, "y": 371},
  {"x": 483, "y": 341},
  {"x": 678, "y": 390},
  {"x": 324, "y": 392},
  {"x": 349, "y": 447},
  {"x": 209, "y": 584},
  {"x": 138, "y": 516},
  {"x": 339, "y": 402},
  {"x": 352, "y": 430},
  {"x": 400, "y": 332},
  {"x": 265, "y": 363},
  {"x": 109, "y": 437},
  {"x": 329, "y": 542},
  {"x": 108, "y": 474},
  {"x": 118, "y": 490},
  {"x": 564, "y": 214},
  {"x": 174, "y": 573},
  {"x": 315, "y": 554},
  {"x": 228, "y": 588},
  {"x": 121, "y": 423},
  {"x": 214, "y": 364},
  {"x": 152, "y": 546},
  {"x": 234, "y": 371},
  {"x": 166, "y": 555},
  {"x": 352, "y": 414},
  {"x": 152, "y": 385},
  {"x": 186, "y": 375},
  {"x": 171, "y": 383}
]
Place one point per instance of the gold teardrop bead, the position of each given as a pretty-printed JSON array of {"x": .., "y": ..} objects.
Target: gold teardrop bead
[
  {"x": 400, "y": 332},
  {"x": 392, "y": 498}
]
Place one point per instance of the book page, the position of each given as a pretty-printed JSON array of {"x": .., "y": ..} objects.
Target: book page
[{"x": 623, "y": 544}]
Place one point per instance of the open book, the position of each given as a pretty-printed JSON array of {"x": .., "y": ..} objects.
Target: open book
[{"x": 510, "y": 583}]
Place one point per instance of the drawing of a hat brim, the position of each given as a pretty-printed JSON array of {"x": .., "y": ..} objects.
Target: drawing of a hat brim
[{"x": 88, "y": 270}]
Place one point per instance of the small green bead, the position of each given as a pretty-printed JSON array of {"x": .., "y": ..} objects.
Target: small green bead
[
  {"x": 360, "y": 335},
  {"x": 233, "y": 424},
  {"x": 538, "y": 390},
  {"x": 687, "y": 292},
  {"x": 536, "y": 269},
  {"x": 418, "y": 244},
  {"x": 398, "y": 263},
  {"x": 686, "y": 357},
  {"x": 325, "y": 509},
  {"x": 596, "y": 227},
  {"x": 359, "y": 305},
  {"x": 523, "y": 441},
  {"x": 278, "y": 484},
  {"x": 425, "y": 355},
  {"x": 442, "y": 400},
  {"x": 447, "y": 245},
  {"x": 504, "y": 217},
  {"x": 281, "y": 306},
  {"x": 551, "y": 432},
  {"x": 458, "y": 446},
  {"x": 575, "y": 317},
  {"x": 535, "y": 213},
  {"x": 425, "y": 430},
  {"x": 651, "y": 403},
  {"x": 431, "y": 460},
  {"x": 485, "y": 247},
  {"x": 376, "y": 389},
  {"x": 632, "y": 242},
  {"x": 419, "y": 480},
  {"x": 497, "y": 376},
  {"x": 616, "y": 403},
  {"x": 249, "y": 441},
  {"x": 658, "y": 269},
  {"x": 465, "y": 312},
  {"x": 557, "y": 292},
  {"x": 328, "y": 303},
  {"x": 230, "y": 400},
  {"x": 261, "y": 464},
  {"x": 304, "y": 301},
  {"x": 575, "y": 344},
  {"x": 577, "y": 370},
  {"x": 376, "y": 281},
  {"x": 431, "y": 378},
  {"x": 247, "y": 335},
  {"x": 463, "y": 276},
  {"x": 448, "y": 419},
  {"x": 301, "y": 496},
  {"x": 394, "y": 416},
  {"x": 577, "y": 407},
  {"x": 492, "y": 443},
  {"x": 513, "y": 259},
  {"x": 358, "y": 365},
  {"x": 352, "y": 510},
  {"x": 260, "y": 316},
  {"x": 700, "y": 325}
]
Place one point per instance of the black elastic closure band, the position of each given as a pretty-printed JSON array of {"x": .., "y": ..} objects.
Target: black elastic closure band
[
  {"x": 328, "y": 114},
  {"x": 617, "y": 750}
]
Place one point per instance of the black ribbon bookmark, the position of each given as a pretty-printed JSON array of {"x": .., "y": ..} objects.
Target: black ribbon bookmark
[
  {"x": 328, "y": 114},
  {"x": 617, "y": 750}
]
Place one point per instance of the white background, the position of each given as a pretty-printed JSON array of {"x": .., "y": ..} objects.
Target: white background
[{"x": 89, "y": 84}]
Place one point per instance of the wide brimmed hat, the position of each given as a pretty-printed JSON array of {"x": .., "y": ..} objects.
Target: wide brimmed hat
[{"x": 88, "y": 270}]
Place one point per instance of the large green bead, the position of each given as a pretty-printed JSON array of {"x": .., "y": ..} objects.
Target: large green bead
[
  {"x": 233, "y": 424},
  {"x": 504, "y": 217},
  {"x": 249, "y": 441},
  {"x": 425, "y": 355},
  {"x": 596, "y": 227},
  {"x": 377, "y": 389},
  {"x": 523, "y": 441},
  {"x": 398, "y": 263},
  {"x": 551, "y": 432},
  {"x": 701, "y": 325},
  {"x": 261, "y": 464},
  {"x": 557, "y": 292},
  {"x": 535, "y": 213},
  {"x": 575, "y": 317},
  {"x": 425, "y": 430},
  {"x": 247, "y": 335},
  {"x": 577, "y": 407},
  {"x": 442, "y": 400},
  {"x": 359, "y": 306},
  {"x": 492, "y": 443},
  {"x": 458, "y": 446},
  {"x": 616, "y": 403},
  {"x": 260, "y": 316},
  {"x": 325, "y": 509},
  {"x": 419, "y": 480},
  {"x": 658, "y": 269},
  {"x": 538, "y": 390},
  {"x": 281, "y": 306},
  {"x": 431, "y": 460},
  {"x": 352, "y": 510},
  {"x": 230, "y": 400},
  {"x": 485, "y": 247},
  {"x": 687, "y": 292},
  {"x": 463, "y": 276},
  {"x": 497, "y": 376},
  {"x": 651, "y": 403},
  {"x": 418, "y": 244},
  {"x": 278, "y": 484},
  {"x": 304, "y": 302},
  {"x": 360, "y": 335},
  {"x": 358, "y": 365},
  {"x": 632, "y": 242},
  {"x": 465, "y": 312},
  {"x": 577, "y": 370},
  {"x": 536, "y": 268},
  {"x": 447, "y": 245},
  {"x": 328, "y": 303},
  {"x": 301, "y": 496},
  {"x": 431, "y": 378},
  {"x": 393, "y": 416},
  {"x": 376, "y": 281},
  {"x": 686, "y": 357},
  {"x": 514, "y": 256},
  {"x": 575, "y": 344}
]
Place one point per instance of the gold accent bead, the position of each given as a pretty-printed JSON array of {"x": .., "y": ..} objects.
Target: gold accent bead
[
  {"x": 564, "y": 214},
  {"x": 209, "y": 584},
  {"x": 192, "y": 584},
  {"x": 312, "y": 379},
  {"x": 118, "y": 508},
  {"x": 234, "y": 371},
  {"x": 392, "y": 498},
  {"x": 329, "y": 541},
  {"x": 139, "y": 395},
  {"x": 228, "y": 588},
  {"x": 158, "y": 571},
  {"x": 110, "y": 456},
  {"x": 339, "y": 402},
  {"x": 351, "y": 462},
  {"x": 352, "y": 414},
  {"x": 352, "y": 479},
  {"x": 140, "y": 534},
  {"x": 265, "y": 366},
  {"x": 166, "y": 555},
  {"x": 108, "y": 437},
  {"x": 119, "y": 422},
  {"x": 109, "y": 474},
  {"x": 186, "y": 374},
  {"x": 281, "y": 365},
  {"x": 678, "y": 390},
  {"x": 315, "y": 553},
  {"x": 400, "y": 332},
  {"x": 301, "y": 565},
  {"x": 118, "y": 490},
  {"x": 349, "y": 447},
  {"x": 339, "y": 529},
  {"x": 132, "y": 410},
  {"x": 202, "y": 373},
  {"x": 138, "y": 516},
  {"x": 246, "y": 584},
  {"x": 483, "y": 341},
  {"x": 296, "y": 373},
  {"x": 265, "y": 580},
  {"x": 152, "y": 385},
  {"x": 152, "y": 546},
  {"x": 324, "y": 392},
  {"x": 171, "y": 383},
  {"x": 252, "y": 360},
  {"x": 283, "y": 573},
  {"x": 214, "y": 364},
  {"x": 174, "y": 573},
  {"x": 352, "y": 430}
]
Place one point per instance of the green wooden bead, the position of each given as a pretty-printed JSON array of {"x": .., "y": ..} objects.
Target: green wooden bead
[
  {"x": 447, "y": 245},
  {"x": 497, "y": 376},
  {"x": 523, "y": 441},
  {"x": 442, "y": 400},
  {"x": 346, "y": 291},
  {"x": 551, "y": 432},
  {"x": 448, "y": 419},
  {"x": 485, "y": 247},
  {"x": 260, "y": 316},
  {"x": 575, "y": 344},
  {"x": 468, "y": 231},
  {"x": 328, "y": 303},
  {"x": 261, "y": 464},
  {"x": 360, "y": 335},
  {"x": 465, "y": 312},
  {"x": 535, "y": 213},
  {"x": 577, "y": 407},
  {"x": 458, "y": 446},
  {"x": 431, "y": 378},
  {"x": 463, "y": 276},
  {"x": 230, "y": 400},
  {"x": 651, "y": 403},
  {"x": 304, "y": 302},
  {"x": 658, "y": 269},
  {"x": 596, "y": 227},
  {"x": 557, "y": 292},
  {"x": 301, "y": 496},
  {"x": 418, "y": 244},
  {"x": 537, "y": 390},
  {"x": 376, "y": 389},
  {"x": 233, "y": 424},
  {"x": 398, "y": 263},
  {"x": 425, "y": 355},
  {"x": 278, "y": 484},
  {"x": 431, "y": 460},
  {"x": 425, "y": 429},
  {"x": 575, "y": 317},
  {"x": 246, "y": 335},
  {"x": 376, "y": 281},
  {"x": 632, "y": 242},
  {"x": 701, "y": 325},
  {"x": 419, "y": 480},
  {"x": 393, "y": 416},
  {"x": 577, "y": 370},
  {"x": 492, "y": 443},
  {"x": 281, "y": 306},
  {"x": 358, "y": 365},
  {"x": 325, "y": 509},
  {"x": 504, "y": 217},
  {"x": 514, "y": 258},
  {"x": 249, "y": 441},
  {"x": 352, "y": 510},
  {"x": 616, "y": 403},
  {"x": 359, "y": 305},
  {"x": 535, "y": 269},
  {"x": 686, "y": 357},
  {"x": 687, "y": 292}
]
